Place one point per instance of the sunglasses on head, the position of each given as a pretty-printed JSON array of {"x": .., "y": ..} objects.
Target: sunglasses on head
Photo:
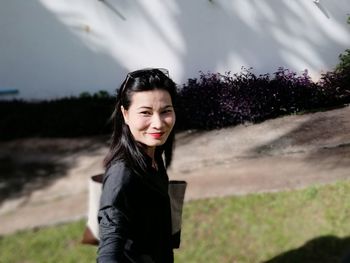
[{"x": 142, "y": 72}]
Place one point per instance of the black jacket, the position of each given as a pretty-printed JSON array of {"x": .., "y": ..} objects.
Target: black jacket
[{"x": 135, "y": 217}]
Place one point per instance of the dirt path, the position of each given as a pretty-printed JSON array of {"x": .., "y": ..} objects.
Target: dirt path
[{"x": 44, "y": 181}]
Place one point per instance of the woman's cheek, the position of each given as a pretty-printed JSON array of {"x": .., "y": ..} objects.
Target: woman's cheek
[
  {"x": 142, "y": 123},
  {"x": 170, "y": 120}
]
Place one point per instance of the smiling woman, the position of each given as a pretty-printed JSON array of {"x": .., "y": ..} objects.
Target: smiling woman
[{"x": 135, "y": 223}]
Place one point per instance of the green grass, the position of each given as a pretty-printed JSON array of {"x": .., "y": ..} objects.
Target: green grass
[{"x": 310, "y": 225}]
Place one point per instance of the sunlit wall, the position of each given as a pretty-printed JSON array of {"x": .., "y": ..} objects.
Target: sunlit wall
[{"x": 55, "y": 48}]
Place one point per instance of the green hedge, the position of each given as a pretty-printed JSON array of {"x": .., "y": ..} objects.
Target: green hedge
[{"x": 68, "y": 117}]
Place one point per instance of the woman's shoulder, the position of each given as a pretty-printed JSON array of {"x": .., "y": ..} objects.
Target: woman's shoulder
[
  {"x": 118, "y": 182},
  {"x": 118, "y": 173}
]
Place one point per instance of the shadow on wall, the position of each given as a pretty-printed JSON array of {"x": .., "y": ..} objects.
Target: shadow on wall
[
  {"x": 46, "y": 59},
  {"x": 325, "y": 249},
  {"x": 226, "y": 35},
  {"x": 261, "y": 34}
]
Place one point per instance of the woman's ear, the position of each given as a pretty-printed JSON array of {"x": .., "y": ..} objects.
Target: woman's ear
[{"x": 125, "y": 114}]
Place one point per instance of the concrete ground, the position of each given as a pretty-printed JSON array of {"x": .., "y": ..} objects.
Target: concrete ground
[{"x": 45, "y": 181}]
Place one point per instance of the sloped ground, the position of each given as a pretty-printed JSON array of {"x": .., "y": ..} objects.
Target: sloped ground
[{"x": 44, "y": 181}]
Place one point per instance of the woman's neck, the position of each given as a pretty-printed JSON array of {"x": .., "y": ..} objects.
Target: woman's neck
[{"x": 150, "y": 151}]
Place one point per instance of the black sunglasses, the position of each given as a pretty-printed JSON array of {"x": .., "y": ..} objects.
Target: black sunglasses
[{"x": 141, "y": 72}]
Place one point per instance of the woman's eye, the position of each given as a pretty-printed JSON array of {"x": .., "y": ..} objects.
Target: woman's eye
[
  {"x": 167, "y": 111},
  {"x": 145, "y": 113}
]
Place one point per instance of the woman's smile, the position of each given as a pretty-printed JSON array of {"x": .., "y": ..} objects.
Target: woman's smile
[{"x": 156, "y": 135}]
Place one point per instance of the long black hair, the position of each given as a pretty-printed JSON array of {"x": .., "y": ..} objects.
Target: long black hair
[{"x": 123, "y": 146}]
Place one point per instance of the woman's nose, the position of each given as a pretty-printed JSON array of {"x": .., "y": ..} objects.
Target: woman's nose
[{"x": 157, "y": 121}]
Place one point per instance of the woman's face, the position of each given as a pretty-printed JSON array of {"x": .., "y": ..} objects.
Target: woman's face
[{"x": 150, "y": 117}]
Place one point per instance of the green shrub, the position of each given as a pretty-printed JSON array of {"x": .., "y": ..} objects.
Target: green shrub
[
  {"x": 66, "y": 117},
  {"x": 344, "y": 64}
]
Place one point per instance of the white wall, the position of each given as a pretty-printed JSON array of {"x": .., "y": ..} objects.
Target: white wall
[{"x": 55, "y": 48}]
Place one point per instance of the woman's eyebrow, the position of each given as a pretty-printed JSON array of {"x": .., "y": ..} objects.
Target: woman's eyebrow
[
  {"x": 150, "y": 108},
  {"x": 145, "y": 107}
]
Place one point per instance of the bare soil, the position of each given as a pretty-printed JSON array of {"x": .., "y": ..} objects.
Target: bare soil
[{"x": 45, "y": 181}]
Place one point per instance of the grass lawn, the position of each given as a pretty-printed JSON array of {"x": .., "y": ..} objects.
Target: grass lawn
[{"x": 304, "y": 226}]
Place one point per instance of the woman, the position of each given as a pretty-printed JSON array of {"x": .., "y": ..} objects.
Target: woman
[{"x": 134, "y": 216}]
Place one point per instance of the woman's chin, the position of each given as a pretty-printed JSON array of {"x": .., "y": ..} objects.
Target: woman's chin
[{"x": 154, "y": 142}]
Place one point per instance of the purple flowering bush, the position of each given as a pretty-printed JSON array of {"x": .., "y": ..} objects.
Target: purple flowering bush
[{"x": 215, "y": 100}]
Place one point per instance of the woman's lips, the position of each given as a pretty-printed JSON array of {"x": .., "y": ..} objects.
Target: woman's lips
[{"x": 156, "y": 135}]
